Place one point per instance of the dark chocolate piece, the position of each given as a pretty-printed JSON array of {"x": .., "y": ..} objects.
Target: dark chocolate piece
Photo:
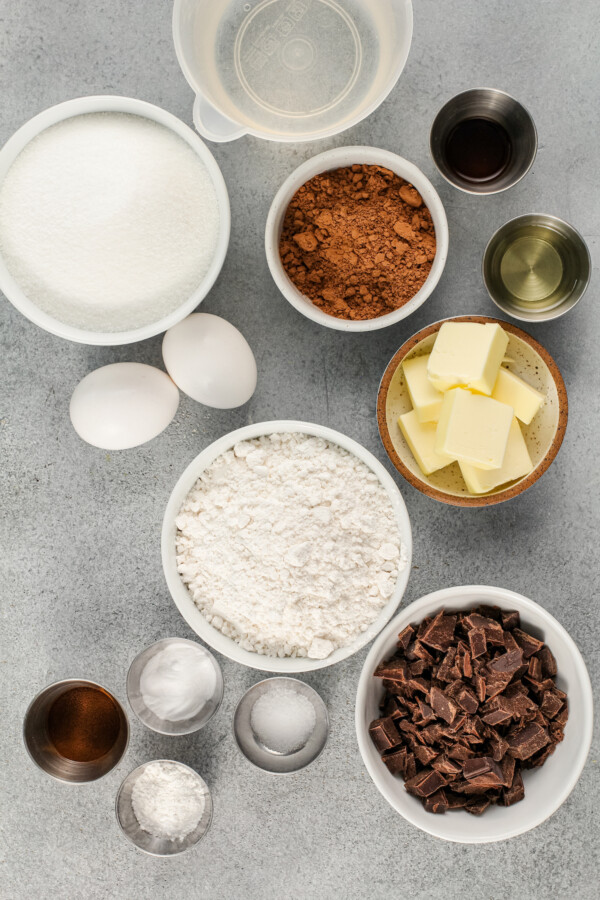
[
  {"x": 477, "y": 642},
  {"x": 549, "y": 669},
  {"x": 406, "y": 636},
  {"x": 510, "y": 619},
  {"x": 384, "y": 734},
  {"x": 524, "y": 742},
  {"x": 515, "y": 792},
  {"x": 443, "y": 706},
  {"x": 437, "y": 803},
  {"x": 440, "y": 633},
  {"x": 506, "y": 663},
  {"x": 527, "y": 643},
  {"x": 425, "y": 783}
]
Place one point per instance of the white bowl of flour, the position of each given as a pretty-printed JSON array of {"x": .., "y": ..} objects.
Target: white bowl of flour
[
  {"x": 114, "y": 220},
  {"x": 286, "y": 546}
]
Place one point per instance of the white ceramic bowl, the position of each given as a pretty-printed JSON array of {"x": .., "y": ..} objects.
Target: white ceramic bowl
[
  {"x": 82, "y": 106},
  {"x": 546, "y": 788},
  {"x": 181, "y": 595},
  {"x": 335, "y": 159}
]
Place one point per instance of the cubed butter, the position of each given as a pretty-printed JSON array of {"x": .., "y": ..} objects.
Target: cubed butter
[
  {"x": 426, "y": 400},
  {"x": 523, "y": 398},
  {"x": 473, "y": 429},
  {"x": 517, "y": 463},
  {"x": 420, "y": 437},
  {"x": 467, "y": 354}
]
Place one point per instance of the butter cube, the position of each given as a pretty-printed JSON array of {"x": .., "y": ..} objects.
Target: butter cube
[
  {"x": 517, "y": 463},
  {"x": 420, "y": 437},
  {"x": 467, "y": 354},
  {"x": 523, "y": 398},
  {"x": 473, "y": 429},
  {"x": 426, "y": 400}
]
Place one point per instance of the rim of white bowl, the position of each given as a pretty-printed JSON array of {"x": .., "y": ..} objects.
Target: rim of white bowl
[
  {"x": 448, "y": 826},
  {"x": 181, "y": 596},
  {"x": 337, "y": 158},
  {"x": 112, "y": 103}
]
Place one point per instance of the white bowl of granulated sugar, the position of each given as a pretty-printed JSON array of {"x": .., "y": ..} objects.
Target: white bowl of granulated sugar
[
  {"x": 286, "y": 546},
  {"x": 114, "y": 220}
]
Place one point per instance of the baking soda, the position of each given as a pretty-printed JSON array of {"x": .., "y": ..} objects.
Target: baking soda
[{"x": 108, "y": 221}]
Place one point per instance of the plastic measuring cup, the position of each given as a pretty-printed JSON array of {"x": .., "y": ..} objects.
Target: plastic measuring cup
[{"x": 289, "y": 70}]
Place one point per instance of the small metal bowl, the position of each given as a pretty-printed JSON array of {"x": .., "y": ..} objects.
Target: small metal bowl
[
  {"x": 571, "y": 252},
  {"x": 261, "y": 756},
  {"x": 145, "y": 841},
  {"x": 44, "y": 754},
  {"x": 149, "y": 718},
  {"x": 499, "y": 107}
]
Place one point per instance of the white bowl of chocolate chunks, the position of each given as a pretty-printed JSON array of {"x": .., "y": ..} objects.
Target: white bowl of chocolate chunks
[{"x": 474, "y": 714}]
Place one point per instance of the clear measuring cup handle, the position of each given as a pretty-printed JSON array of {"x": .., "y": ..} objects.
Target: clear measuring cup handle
[{"x": 212, "y": 124}]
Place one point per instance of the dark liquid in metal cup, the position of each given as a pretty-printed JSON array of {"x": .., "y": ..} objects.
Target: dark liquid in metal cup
[
  {"x": 478, "y": 149},
  {"x": 83, "y": 724}
]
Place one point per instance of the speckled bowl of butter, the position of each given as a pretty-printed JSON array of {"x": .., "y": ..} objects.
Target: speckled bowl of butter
[{"x": 543, "y": 436}]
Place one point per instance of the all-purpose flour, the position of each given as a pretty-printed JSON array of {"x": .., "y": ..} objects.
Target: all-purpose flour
[
  {"x": 289, "y": 545},
  {"x": 108, "y": 221}
]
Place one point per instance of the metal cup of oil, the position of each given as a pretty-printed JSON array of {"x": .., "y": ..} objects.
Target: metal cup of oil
[{"x": 536, "y": 267}]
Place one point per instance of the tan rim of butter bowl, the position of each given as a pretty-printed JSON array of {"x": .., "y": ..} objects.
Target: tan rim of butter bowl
[{"x": 543, "y": 436}]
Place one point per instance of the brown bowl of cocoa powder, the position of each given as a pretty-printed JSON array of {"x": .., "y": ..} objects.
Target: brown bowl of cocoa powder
[{"x": 356, "y": 238}]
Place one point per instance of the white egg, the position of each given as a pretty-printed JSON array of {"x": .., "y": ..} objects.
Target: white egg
[
  {"x": 210, "y": 361},
  {"x": 123, "y": 405}
]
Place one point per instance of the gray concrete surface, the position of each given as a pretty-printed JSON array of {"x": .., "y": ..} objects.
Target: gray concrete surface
[{"x": 82, "y": 585}]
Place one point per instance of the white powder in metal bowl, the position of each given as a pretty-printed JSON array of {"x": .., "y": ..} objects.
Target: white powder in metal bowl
[
  {"x": 168, "y": 801},
  {"x": 289, "y": 545},
  {"x": 283, "y": 719},
  {"x": 108, "y": 221}
]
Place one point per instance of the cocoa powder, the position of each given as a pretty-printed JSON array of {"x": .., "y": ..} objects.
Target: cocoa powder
[{"x": 358, "y": 241}]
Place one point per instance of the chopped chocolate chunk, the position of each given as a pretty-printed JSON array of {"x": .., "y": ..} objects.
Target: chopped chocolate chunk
[
  {"x": 478, "y": 766},
  {"x": 467, "y": 700},
  {"x": 384, "y": 734},
  {"x": 548, "y": 662},
  {"x": 443, "y": 706},
  {"x": 425, "y": 711},
  {"x": 551, "y": 704},
  {"x": 395, "y": 760},
  {"x": 405, "y": 637},
  {"x": 425, "y": 783},
  {"x": 527, "y": 643},
  {"x": 477, "y": 642},
  {"x": 440, "y": 633},
  {"x": 510, "y": 619},
  {"x": 524, "y": 742},
  {"x": 515, "y": 792},
  {"x": 446, "y": 766},
  {"x": 506, "y": 663},
  {"x": 477, "y": 805},
  {"x": 494, "y": 632},
  {"x": 437, "y": 803},
  {"x": 470, "y": 701}
]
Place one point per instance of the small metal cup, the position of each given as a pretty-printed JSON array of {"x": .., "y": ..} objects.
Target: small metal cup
[
  {"x": 575, "y": 259},
  {"x": 496, "y": 106},
  {"x": 43, "y": 752},
  {"x": 132, "y": 829},
  {"x": 150, "y": 719},
  {"x": 261, "y": 756}
]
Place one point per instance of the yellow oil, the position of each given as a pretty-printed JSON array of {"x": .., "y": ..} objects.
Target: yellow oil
[{"x": 534, "y": 268}]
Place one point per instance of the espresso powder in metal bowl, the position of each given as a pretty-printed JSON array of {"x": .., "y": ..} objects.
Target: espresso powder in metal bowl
[{"x": 289, "y": 545}]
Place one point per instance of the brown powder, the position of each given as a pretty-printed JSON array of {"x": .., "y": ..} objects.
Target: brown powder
[
  {"x": 83, "y": 724},
  {"x": 357, "y": 241}
]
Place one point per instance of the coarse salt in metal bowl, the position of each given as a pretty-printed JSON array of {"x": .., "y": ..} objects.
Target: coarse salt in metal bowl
[{"x": 182, "y": 597}]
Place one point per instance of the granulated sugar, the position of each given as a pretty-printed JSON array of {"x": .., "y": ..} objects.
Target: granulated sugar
[
  {"x": 168, "y": 801},
  {"x": 108, "y": 221},
  {"x": 283, "y": 719},
  {"x": 289, "y": 545}
]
